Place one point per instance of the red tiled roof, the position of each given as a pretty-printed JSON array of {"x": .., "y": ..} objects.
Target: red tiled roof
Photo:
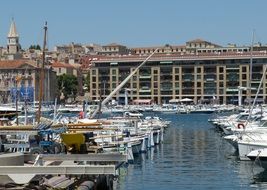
[
  {"x": 198, "y": 40},
  {"x": 112, "y": 44},
  {"x": 13, "y": 64},
  {"x": 61, "y": 65}
]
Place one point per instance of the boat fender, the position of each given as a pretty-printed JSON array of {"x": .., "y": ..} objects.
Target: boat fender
[{"x": 240, "y": 126}]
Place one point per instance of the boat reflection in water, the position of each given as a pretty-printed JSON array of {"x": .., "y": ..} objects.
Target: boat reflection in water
[{"x": 192, "y": 156}]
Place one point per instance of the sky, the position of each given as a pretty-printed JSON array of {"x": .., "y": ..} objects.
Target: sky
[{"x": 135, "y": 23}]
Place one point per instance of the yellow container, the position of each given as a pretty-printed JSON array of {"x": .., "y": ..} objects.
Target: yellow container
[{"x": 73, "y": 140}]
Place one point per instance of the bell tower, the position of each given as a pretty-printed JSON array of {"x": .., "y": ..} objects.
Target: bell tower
[{"x": 13, "y": 46}]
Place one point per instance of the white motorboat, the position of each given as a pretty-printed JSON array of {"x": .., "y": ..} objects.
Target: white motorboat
[
  {"x": 260, "y": 156},
  {"x": 246, "y": 146}
]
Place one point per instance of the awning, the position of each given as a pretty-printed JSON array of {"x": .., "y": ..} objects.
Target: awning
[
  {"x": 186, "y": 100},
  {"x": 174, "y": 101}
]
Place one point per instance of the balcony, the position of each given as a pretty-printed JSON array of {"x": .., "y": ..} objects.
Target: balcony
[
  {"x": 232, "y": 90},
  {"x": 188, "y": 77},
  {"x": 210, "y": 77},
  {"x": 144, "y": 89},
  {"x": 209, "y": 92},
  {"x": 166, "y": 77},
  {"x": 188, "y": 92},
  {"x": 166, "y": 89},
  {"x": 210, "y": 85},
  {"x": 145, "y": 76}
]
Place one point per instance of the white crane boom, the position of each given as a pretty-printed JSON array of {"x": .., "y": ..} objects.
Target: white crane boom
[{"x": 123, "y": 83}]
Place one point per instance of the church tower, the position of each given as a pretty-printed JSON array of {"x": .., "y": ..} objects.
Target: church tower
[{"x": 13, "y": 46}]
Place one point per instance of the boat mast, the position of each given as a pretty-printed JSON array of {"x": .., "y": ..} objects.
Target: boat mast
[
  {"x": 250, "y": 71},
  {"x": 41, "y": 85}
]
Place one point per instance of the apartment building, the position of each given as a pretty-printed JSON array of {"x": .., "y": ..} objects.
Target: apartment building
[
  {"x": 22, "y": 77},
  {"x": 201, "y": 76}
]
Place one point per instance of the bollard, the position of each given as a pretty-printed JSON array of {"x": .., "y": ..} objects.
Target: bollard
[
  {"x": 157, "y": 139},
  {"x": 130, "y": 157},
  {"x": 151, "y": 139},
  {"x": 143, "y": 146},
  {"x": 161, "y": 137}
]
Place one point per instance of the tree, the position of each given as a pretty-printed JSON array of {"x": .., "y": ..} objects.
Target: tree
[
  {"x": 68, "y": 85},
  {"x": 36, "y": 47},
  {"x": 86, "y": 82}
]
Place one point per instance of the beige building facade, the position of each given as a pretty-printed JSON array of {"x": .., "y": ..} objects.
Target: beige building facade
[
  {"x": 203, "y": 77},
  {"x": 23, "y": 76}
]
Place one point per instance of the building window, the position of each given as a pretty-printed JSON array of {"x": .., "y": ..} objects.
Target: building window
[
  {"x": 198, "y": 84},
  {"x": 155, "y": 72},
  {"x": 221, "y": 69},
  {"x": 93, "y": 72},
  {"x": 244, "y": 69},
  {"x": 114, "y": 78},
  {"x": 30, "y": 83},
  {"x": 176, "y": 77},
  {"x": 177, "y": 70},
  {"x": 114, "y": 71},
  {"x": 22, "y": 83},
  {"x": 93, "y": 79}
]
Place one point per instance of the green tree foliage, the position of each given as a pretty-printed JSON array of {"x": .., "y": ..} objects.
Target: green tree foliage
[
  {"x": 86, "y": 82},
  {"x": 37, "y": 47},
  {"x": 68, "y": 84}
]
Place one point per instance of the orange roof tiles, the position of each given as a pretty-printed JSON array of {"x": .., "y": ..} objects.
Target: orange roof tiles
[
  {"x": 13, "y": 64},
  {"x": 112, "y": 44},
  {"x": 61, "y": 65}
]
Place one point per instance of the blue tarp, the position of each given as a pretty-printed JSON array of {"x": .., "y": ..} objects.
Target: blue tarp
[{"x": 24, "y": 94}]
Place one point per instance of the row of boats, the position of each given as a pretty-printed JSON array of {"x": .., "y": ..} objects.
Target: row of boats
[
  {"x": 247, "y": 132},
  {"x": 89, "y": 109},
  {"x": 64, "y": 135},
  {"x": 173, "y": 108}
]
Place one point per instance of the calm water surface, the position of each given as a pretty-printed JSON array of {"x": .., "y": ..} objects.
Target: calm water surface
[{"x": 193, "y": 156}]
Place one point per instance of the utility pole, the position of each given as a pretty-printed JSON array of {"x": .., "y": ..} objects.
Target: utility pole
[{"x": 41, "y": 81}]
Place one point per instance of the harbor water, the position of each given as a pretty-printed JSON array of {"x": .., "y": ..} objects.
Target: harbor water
[{"x": 193, "y": 156}]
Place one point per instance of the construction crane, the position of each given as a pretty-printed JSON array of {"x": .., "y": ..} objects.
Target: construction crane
[{"x": 122, "y": 84}]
